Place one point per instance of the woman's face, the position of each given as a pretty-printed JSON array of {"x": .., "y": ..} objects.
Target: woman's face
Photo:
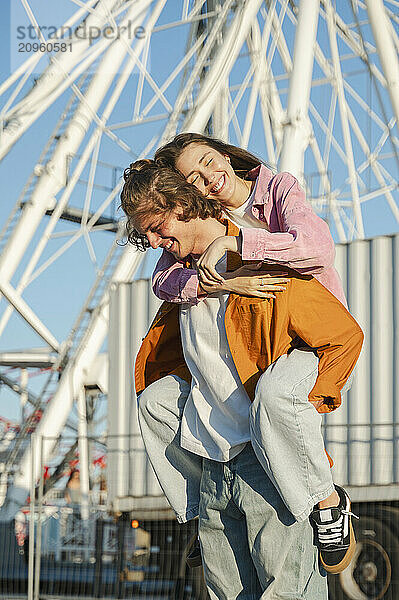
[{"x": 210, "y": 172}]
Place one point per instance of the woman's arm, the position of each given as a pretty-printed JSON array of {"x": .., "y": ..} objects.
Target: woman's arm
[
  {"x": 173, "y": 282},
  {"x": 304, "y": 243}
]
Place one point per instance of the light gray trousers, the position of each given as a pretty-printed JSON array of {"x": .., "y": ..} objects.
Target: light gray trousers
[
  {"x": 252, "y": 547},
  {"x": 285, "y": 435}
]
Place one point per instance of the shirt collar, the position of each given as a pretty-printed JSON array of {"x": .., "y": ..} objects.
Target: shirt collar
[{"x": 264, "y": 175}]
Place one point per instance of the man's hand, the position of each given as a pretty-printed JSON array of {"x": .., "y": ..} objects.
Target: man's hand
[
  {"x": 246, "y": 282},
  {"x": 206, "y": 263}
]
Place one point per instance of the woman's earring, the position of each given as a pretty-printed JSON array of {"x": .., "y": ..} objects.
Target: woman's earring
[{"x": 227, "y": 157}]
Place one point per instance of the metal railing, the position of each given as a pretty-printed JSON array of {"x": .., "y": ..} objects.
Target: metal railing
[{"x": 52, "y": 550}]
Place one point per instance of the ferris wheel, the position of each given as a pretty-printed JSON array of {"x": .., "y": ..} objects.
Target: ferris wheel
[{"x": 311, "y": 86}]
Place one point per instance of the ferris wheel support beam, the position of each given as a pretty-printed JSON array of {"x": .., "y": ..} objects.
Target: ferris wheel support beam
[
  {"x": 19, "y": 118},
  {"x": 220, "y": 69},
  {"x": 29, "y": 64},
  {"x": 74, "y": 178},
  {"x": 28, "y": 315},
  {"x": 23, "y": 74},
  {"x": 296, "y": 127},
  {"x": 54, "y": 175},
  {"x": 264, "y": 86},
  {"x": 343, "y": 108},
  {"x": 327, "y": 188},
  {"x": 68, "y": 81},
  {"x": 387, "y": 53},
  {"x": 374, "y": 165},
  {"x": 220, "y": 123},
  {"x": 218, "y": 73},
  {"x": 69, "y": 388},
  {"x": 203, "y": 57},
  {"x": 371, "y": 158},
  {"x": 83, "y": 445},
  {"x": 73, "y": 376}
]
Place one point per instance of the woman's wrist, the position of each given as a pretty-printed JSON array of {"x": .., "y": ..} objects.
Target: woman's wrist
[
  {"x": 231, "y": 242},
  {"x": 200, "y": 291},
  {"x": 239, "y": 243}
]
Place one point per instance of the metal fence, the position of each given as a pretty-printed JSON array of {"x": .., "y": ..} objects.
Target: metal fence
[{"x": 61, "y": 549}]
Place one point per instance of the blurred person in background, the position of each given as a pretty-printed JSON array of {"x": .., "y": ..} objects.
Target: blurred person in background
[{"x": 72, "y": 492}]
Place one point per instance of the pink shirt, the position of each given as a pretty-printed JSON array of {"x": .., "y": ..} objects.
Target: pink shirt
[{"x": 297, "y": 238}]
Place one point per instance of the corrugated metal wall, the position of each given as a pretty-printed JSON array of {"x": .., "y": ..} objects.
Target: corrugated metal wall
[
  {"x": 361, "y": 435},
  {"x": 132, "y": 308}
]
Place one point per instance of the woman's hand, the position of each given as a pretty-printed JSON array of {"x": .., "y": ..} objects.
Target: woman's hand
[
  {"x": 206, "y": 263},
  {"x": 246, "y": 282}
]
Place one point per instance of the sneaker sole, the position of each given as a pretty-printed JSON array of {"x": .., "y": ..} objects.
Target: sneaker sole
[
  {"x": 194, "y": 562},
  {"x": 335, "y": 569}
]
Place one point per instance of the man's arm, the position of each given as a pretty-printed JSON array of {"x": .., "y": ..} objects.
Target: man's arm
[{"x": 320, "y": 320}]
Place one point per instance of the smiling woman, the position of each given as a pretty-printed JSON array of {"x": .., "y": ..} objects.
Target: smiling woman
[
  {"x": 211, "y": 172},
  {"x": 218, "y": 170},
  {"x": 278, "y": 225}
]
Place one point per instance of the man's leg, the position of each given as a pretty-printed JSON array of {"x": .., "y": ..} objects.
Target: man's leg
[
  {"x": 252, "y": 545},
  {"x": 228, "y": 567},
  {"x": 282, "y": 549},
  {"x": 161, "y": 407},
  {"x": 286, "y": 433}
]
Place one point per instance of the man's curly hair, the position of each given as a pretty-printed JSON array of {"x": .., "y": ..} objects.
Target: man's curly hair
[{"x": 153, "y": 190}]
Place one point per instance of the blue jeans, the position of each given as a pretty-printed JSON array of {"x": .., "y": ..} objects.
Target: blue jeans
[
  {"x": 285, "y": 434},
  {"x": 252, "y": 546}
]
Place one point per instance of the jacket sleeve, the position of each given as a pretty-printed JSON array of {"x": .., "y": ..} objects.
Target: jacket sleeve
[
  {"x": 320, "y": 320},
  {"x": 304, "y": 242},
  {"x": 172, "y": 282}
]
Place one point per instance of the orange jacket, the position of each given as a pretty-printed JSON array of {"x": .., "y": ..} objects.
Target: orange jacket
[{"x": 259, "y": 331}]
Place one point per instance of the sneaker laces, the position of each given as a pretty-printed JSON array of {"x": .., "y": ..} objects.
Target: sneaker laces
[
  {"x": 351, "y": 514},
  {"x": 331, "y": 533}
]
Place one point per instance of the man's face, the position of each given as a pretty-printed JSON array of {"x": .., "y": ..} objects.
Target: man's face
[{"x": 166, "y": 231}]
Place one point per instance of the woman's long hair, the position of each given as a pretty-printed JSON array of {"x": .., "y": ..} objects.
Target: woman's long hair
[
  {"x": 71, "y": 476},
  {"x": 241, "y": 160}
]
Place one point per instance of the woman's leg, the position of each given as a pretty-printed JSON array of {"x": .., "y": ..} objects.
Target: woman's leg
[
  {"x": 286, "y": 433},
  {"x": 178, "y": 471}
]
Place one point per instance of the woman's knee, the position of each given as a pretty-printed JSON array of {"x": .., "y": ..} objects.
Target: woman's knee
[
  {"x": 145, "y": 402},
  {"x": 269, "y": 391},
  {"x": 163, "y": 398}
]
